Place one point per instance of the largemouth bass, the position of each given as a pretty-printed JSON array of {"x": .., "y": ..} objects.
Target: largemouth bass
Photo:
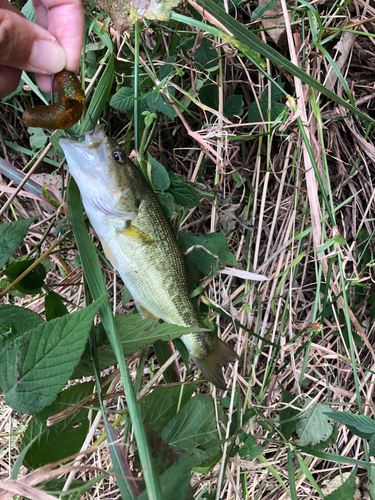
[{"x": 139, "y": 242}]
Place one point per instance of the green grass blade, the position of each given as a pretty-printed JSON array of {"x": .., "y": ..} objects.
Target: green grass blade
[
  {"x": 101, "y": 96},
  {"x": 243, "y": 35},
  {"x": 291, "y": 476},
  {"x": 95, "y": 280}
]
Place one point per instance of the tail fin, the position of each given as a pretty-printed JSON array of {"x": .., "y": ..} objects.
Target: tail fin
[{"x": 211, "y": 365}]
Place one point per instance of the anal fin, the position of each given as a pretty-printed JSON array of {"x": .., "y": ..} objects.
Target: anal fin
[
  {"x": 145, "y": 313},
  {"x": 109, "y": 254}
]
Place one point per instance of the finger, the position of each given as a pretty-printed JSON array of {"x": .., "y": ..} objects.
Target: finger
[
  {"x": 65, "y": 20},
  {"x": 4, "y": 4},
  {"x": 25, "y": 45},
  {"x": 9, "y": 80}
]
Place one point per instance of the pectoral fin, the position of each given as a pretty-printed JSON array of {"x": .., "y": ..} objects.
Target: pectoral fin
[{"x": 137, "y": 235}]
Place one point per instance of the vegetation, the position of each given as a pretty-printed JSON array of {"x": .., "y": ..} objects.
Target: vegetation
[{"x": 254, "y": 125}]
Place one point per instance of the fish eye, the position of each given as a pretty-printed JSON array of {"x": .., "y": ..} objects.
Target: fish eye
[{"x": 119, "y": 156}]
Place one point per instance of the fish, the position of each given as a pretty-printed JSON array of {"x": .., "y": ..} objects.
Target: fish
[
  {"x": 65, "y": 112},
  {"x": 138, "y": 240}
]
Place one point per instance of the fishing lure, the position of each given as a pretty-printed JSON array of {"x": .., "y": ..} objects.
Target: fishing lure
[{"x": 65, "y": 112}]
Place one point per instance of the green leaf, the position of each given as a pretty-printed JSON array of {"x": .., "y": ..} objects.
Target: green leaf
[
  {"x": 38, "y": 139},
  {"x": 166, "y": 200},
  {"x": 215, "y": 243},
  {"x": 159, "y": 103},
  {"x": 183, "y": 194},
  {"x": 260, "y": 11},
  {"x": 134, "y": 333},
  {"x": 32, "y": 283},
  {"x": 159, "y": 407},
  {"x": 233, "y": 106},
  {"x": 11, "y": 236},
  {"x": 123, "y": 100},
  {"x": 314, "y": 425},
  {"x": 206, "y": 55},
  {"x": 166, "y": 69},
  {"x": 251, "y": 449},
  {"x": 21, "y": 318},
  {"x": 345, "y": 491},
  {"x": 175, "y": 482},
  {"x": 276, "y": 107},
  {"x": 208, "y": 94},
  {"x": 194, "y": 427},
  {"x": 28, "y": 11},
  {"x": 159, "y": 174},
  {"x": 54, "y": 306},
  {"x": 371, "y": 446},
  {"x": 71, "y": 431},
  {"x": 100, "y": 96},
  {"x": 360, "y": 425},
  {"x": 36, "y": 366}
]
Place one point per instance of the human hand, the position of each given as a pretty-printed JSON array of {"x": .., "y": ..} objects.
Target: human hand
[{"x": 51, "y": 44}]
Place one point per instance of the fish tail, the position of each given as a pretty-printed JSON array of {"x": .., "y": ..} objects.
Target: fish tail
[{"x": 211, "y": 365}]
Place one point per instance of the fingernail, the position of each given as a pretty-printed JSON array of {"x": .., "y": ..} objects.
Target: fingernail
[{"x": 46, "y": 57}]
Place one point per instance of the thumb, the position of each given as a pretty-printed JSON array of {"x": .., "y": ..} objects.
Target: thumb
[{"x": 25, "y": 45}]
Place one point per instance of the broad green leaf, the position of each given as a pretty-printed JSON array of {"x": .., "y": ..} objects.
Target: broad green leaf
[
  {"x": 11, "y": 236},
  {"x": 345, "y": 491},
  {"x": 54, "y": 306},
  {"x": 21, "y": 318},
  {"x": 175, "y": 482},
  {"x": 28, "y": 11},
  {"x": 134, "y": 333},
  {"x": 159, "y": 174},
  {"x": 166, "y": 200},
  {"x": 214, "y": 252},
  {"x": 36, "y": 366},
  {"x": 194, "y": 427},
  {"x": 361, "y": 425},
  {"x": 233, "y": 106},
  {"x": 183, "y": 194},
  {"x": 166, "y": 69},
  {"x": 123, "y": 100},
  {"x": 159, "y": 103},
  {"x": 159, "y": 407},
  {"x": 262, "y": 9},
  {"x": 32, "y": 283},
  {"x": 250, "y": 448},
  {"x": 163, "y": 455},
  {"x": 276, "y": 107},
  {"x": 208, "y": 94},
  {"x": 314, "y": 425},
  {"x": 38, "y": 139},
  {"x": 206, "y": 55},
  {"x": 71, "y": 432}
]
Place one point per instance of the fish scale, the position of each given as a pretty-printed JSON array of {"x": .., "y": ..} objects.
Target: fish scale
[{"x": 139, "y": 242}]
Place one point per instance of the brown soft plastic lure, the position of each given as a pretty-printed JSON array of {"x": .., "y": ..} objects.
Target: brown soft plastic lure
[{"x": 65, "y": 112}]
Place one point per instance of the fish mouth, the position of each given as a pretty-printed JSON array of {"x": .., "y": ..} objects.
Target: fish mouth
[{"x": 88, "y": 154}]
